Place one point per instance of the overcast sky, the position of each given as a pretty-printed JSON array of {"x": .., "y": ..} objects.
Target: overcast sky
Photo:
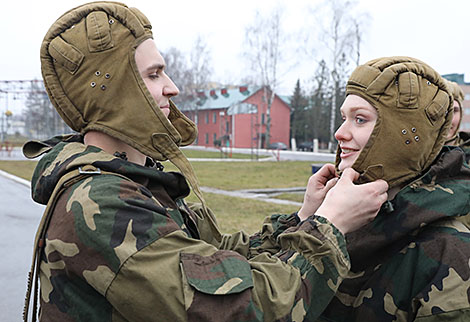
[{"x": 434, "y": 31}]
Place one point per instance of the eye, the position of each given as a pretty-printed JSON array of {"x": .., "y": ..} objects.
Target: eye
[
  {"x": 153, "y": 76},
  {"x": 360, "y": 120}
]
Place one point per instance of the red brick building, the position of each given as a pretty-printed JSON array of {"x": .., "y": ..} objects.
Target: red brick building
[{"x": 236, "y": 117}]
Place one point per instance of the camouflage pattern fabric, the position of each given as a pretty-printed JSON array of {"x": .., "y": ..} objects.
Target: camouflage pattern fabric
[
  {"x": 412, "y": 262},
  {"x": 126, "y": 247}
]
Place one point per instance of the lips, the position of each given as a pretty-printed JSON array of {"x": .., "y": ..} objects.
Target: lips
[{"x": 346, "y": 152}]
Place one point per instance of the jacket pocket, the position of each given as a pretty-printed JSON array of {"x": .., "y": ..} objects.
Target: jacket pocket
[{"x": 224, "y": 272}]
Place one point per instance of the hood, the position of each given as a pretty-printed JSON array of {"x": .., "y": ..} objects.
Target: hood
[
  {"x": 414, "y": 108},
  {"x": 442, "y": 192},
  {"x": 66, "y": 153}
]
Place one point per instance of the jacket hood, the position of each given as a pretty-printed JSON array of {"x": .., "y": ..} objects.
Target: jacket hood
[{"x": 66, "y": 153}]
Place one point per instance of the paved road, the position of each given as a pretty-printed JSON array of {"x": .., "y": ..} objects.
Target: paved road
[{"x": 19, "y": 217}]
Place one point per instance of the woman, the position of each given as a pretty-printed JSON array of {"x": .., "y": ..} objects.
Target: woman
[{"x": 411, "y": 263}]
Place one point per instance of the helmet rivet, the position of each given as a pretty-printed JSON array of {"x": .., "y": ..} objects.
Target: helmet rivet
[
  {"x": 413, "y": 129},
  {"x": 107, "y": 75},
  {"x": 416, "y": 138},
  {"x": 97, "y": 73},
  {"x": 92, "y": 84},
  {"x": 111, "y": 21},
  {"x": 407, "y": 141},
  {"x": 404, "y": 131},
  {"x": 103, "y": 87}
]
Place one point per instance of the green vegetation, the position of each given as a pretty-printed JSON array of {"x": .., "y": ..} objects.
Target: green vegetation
[
  {"x": 297, "y": 197},
  {"x": 251, "y": 175},
  {"x": 215, "y": 155},
  {"x": 22, "y": 169},
  {"x": 234, "y": 214}
]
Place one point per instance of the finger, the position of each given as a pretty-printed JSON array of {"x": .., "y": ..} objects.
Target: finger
[
  {"x": 325, "y": 173},
  {"x": 330, "y": 184},
  {"x": 381, "y": 186},
  {"x": 350, "y": 174}
]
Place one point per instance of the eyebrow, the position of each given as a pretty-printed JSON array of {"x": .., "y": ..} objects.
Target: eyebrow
[
  {"x": 359, "y": 107},
  {"x": 155, "y": 66}
]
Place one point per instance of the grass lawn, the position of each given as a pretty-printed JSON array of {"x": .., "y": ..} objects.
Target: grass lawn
[
  {"x": 22, "y": 169},
  {"x": 234, "y": 214},
  {"x": 251, "y": 175},
  {"x": 213, "y": 155}
]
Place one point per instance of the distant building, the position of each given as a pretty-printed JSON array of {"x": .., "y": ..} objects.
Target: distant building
[
  {"x": 236, "y": 117},
  {"x": 459, "y": 79}
]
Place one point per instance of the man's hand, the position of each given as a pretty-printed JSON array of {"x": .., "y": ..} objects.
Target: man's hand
[
  {"x": 349, "y": 206},
  {"x": 318, "y": 185}
]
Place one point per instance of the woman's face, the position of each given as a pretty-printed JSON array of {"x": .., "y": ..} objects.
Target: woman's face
[
  {"x": 359, "y": 118},
  {"x": 455, "y": 120}
]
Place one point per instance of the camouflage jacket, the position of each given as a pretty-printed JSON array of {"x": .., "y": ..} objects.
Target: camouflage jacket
[
  {"x": 463, "y": 141},
  {"x": 412, "y": 262},
  {"x": 124, "y": 246}
]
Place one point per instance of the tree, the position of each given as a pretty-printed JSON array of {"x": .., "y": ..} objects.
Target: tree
[
  {"x": 40, "y": 117},
  {"x": 298, "y": 118},
  {"x": 200, "y": 58},
  {"x": 341, "y": 35},
  {"x": 319, "y": 107},
  {"x": 178, "y": 70},
  {"x": 263, "y": 39}
]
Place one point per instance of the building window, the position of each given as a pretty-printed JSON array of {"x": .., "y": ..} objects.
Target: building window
[
  {"x": 214, "y": 117},
  {"x": 466, "y": 111},
  {"x": 467, "y": 97},
  {"x": 214, "y": 138},
  {"x": 227, "y": 127},
  {"x": 262, "y": 118},
  {"x": 195, "y": 118},
  {"x": 466, "y": 125},
  {"x": 207, "y": 138},
  {"x": 207, "y": 118}
]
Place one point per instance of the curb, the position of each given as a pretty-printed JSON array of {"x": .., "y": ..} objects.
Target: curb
[{"x": 15, "y": 178}]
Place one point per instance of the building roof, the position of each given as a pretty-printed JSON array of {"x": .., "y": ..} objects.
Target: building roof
[
  {"x": 458, "y": 78},
  {"x": 218, "y": 98}
]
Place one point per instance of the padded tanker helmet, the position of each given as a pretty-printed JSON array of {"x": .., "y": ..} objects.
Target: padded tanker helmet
[
  {"x": 458, "y": 95},
  {"x": 90, "y": 74},
  {"x": 414, "y": 107}
]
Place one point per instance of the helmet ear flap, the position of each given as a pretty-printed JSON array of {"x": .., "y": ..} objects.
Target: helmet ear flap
[
  {"x": 65, "y": 55},
  {"x": 98, "y": 27},
  {"x": 408, "y": 90}
]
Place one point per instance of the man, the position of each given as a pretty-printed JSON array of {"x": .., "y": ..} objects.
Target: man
[{"x": 118, "y": 242}]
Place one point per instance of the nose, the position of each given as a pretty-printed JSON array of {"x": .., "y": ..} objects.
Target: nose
[
  {"x": 170, "y": 89},
  {"x": 343, "y": 133}
]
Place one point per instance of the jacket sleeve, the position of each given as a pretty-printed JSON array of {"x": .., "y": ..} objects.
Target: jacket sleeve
[
  {"x": 266, "y": 240},
  {"x": 163, "y": 274}
]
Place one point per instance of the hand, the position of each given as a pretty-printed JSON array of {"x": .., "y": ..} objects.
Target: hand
[
  {"x": 318, "y": 185},
  {"x": 349, "y": 206}
]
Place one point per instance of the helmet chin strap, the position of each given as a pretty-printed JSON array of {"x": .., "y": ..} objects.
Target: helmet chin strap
[{"x": 168, "y": 148}]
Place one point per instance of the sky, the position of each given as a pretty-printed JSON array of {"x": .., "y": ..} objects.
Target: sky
[{"x": 434, "y": 31}]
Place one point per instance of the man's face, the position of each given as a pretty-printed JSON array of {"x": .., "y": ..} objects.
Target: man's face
[
  {"x": 359, "y": 119},
  {"x": 455, "y": 120},
  {"x": 151, "y": 66}
]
